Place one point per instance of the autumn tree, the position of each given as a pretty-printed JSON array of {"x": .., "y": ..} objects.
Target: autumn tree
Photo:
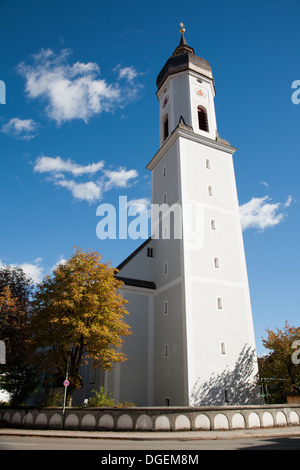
[
  {"x": 18, "y": 377},
  {"x": 278, "y": 368},
  {"x": 78, "y": 317}
]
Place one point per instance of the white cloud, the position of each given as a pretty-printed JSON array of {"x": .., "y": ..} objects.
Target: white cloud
[
  {"x": 264, "y": 184},
  {"x": 24, "y": 129},
  {"x": 119, "y": 178},
  {"x": 139, "y": 204},
  {"x": 34, "y": 270},
  {"x": 74, "y": 91},
  {"x": 128, "y": 73},
  {"x": 288, "y": 201},
  {"x": 61, "y": 260},
  {"x": 46, "y": 164},
  {"x": 261, "y": 214},
  {"x": 88, "y": 191}
]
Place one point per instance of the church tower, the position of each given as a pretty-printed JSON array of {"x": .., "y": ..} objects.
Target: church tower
[
  {"x": 189, "y": 304},
  {"x": 186, "y": 91}
]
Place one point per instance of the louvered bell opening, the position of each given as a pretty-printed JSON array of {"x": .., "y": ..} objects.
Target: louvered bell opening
[
  {"x": 166, "y": 127},
  {"x": 202, "y": 119}
]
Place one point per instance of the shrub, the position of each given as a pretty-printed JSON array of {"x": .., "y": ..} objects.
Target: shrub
[{"x": 103, "y": 398}]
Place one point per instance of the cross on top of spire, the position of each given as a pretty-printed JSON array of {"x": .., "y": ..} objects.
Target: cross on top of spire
[
  {"x": 182, "y": 40},
  {"x": 182, "y": 28}
]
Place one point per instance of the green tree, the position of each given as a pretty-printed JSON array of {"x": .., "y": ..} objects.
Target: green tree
[
  {"x": 18, "y": 377},
  {"x": 280, "y": 373},
  {"x": 78, "y": 317}
]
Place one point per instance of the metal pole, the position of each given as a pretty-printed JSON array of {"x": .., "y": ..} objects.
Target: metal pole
[{"x": 65, "y": 397}]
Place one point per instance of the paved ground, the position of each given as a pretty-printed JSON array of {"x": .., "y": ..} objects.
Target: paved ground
[
  {"x": 287, "y": 438},
  {"x": 147, "y": 451}
]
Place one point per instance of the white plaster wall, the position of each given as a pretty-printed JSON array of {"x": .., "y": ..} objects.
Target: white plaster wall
[
  {"x": 170, "y": 373},
  {"x": 129, "y": 380},
  {"x": 207, "y": 325},
  {"x": 167, "y": 250},
  {"x": 207, "y": 101},
  {"x": 169, "y": 329},
  {"x": 181, "y": 100},
  {"x": 140, "y": 267},
  {"x": 176, "y": 90}
]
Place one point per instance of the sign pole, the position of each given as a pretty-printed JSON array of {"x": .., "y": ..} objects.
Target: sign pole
[{"x": 66, "y": 383}]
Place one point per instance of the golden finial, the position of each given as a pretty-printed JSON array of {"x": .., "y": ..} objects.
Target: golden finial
[{"x": 182, "y": 28}]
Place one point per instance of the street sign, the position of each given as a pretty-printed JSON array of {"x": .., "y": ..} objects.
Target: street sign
[{"x": 66, "y": 383}]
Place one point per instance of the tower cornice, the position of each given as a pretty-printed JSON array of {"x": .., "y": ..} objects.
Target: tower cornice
[{"x": 182, "y": 130}]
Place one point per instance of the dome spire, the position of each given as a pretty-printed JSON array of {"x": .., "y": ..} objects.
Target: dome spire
[
  {"x": 182, "y": 40},
  {"x": 182, "y": 46},
  {"x": 183, "y": 58}
]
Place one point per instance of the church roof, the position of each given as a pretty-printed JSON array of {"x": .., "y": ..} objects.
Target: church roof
[
  {"x": 128, "y": 281},
  {"x": 183, "y": 58},
  {"x": 133, "y": 254},
  {"x": 137, "y": 282}
]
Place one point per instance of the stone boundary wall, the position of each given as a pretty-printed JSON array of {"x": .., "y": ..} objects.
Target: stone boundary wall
[{"x": 153, "y": 418}]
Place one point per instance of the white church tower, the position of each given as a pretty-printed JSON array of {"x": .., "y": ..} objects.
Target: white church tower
[{"x": 190, "y": 312}]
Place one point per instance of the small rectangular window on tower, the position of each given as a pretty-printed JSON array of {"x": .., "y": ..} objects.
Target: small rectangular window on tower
[
  {"x": 165, "y": 307},
  {"x": 216, "y": 262},
  {"x": 220, "y": 303},
  {"x": 208, "y": 163},
  {"x": 164, "y": 171},
  {"x": 223, "y": 349},
  {"x": 213, "y": 224},
  {"x": 210, "y": 190},
  {"x": 166, "y": 127},
  {"x": 166, "y": 350},
  {"x": 165, "y": 198},
  {"x": 165, "y": 267},
  {"x": 150, "y": 252}
]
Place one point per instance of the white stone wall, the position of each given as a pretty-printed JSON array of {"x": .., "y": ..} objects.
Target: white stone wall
[{"x": 153, "y": 419}]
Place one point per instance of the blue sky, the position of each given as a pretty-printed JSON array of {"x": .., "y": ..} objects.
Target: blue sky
[{"x": 80, "y": 124}]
